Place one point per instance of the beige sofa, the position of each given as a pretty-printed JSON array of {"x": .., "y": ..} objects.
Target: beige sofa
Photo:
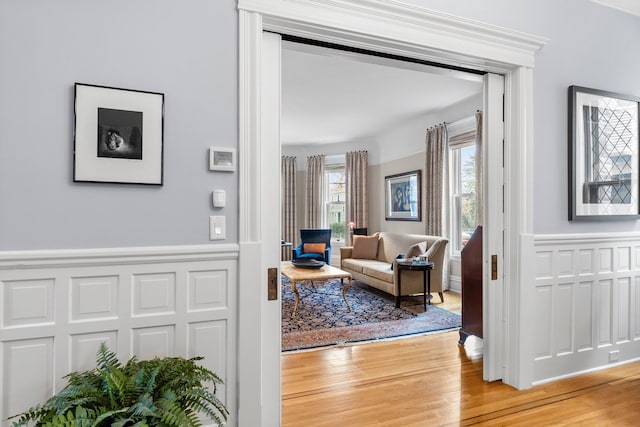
[{"x": 374, "y": 267}]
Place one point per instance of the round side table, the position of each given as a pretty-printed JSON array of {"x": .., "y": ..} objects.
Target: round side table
[{"x": 426, "y": 268}]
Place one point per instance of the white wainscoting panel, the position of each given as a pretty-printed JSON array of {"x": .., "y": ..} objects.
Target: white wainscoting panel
[
  {"x": 59, "y": 306},
  {"x": 587, "y": 303}
]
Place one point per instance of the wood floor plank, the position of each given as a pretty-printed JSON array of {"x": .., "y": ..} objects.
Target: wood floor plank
[{"x": 429, "y": 380}]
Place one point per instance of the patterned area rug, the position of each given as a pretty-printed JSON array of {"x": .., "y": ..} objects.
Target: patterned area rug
[{"x": 324, "y": 320}]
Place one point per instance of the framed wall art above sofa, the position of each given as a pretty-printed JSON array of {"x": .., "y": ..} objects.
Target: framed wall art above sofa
[{"x": 402, "y": 196}]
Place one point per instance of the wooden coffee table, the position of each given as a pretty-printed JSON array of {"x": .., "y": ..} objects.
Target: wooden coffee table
[{"x": 326, "y": 272}]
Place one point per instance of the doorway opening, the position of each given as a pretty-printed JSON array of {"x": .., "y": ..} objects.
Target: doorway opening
[
  {"x": 337, "y": 99},
  {"x": 408, "y": 31}
]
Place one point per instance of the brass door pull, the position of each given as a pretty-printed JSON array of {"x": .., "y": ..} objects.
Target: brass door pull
[
  {"x": 494, "y": 267},
  {"x": 272, "y": 284}
]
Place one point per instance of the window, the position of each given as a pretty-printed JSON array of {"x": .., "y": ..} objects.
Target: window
[
  {"x": 334, "y": 200},
  {"x": 462, "y": 172}
]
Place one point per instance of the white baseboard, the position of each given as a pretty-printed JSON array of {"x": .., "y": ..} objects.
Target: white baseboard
[{"x": 455, "y": 284}]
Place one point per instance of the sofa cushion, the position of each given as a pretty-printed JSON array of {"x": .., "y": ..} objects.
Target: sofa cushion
[
  {"x": 417, "y": 249},
  {"x": 379, "y": 270},
  {"x": 314, "y": 248},
  {"x": 354, "y": 264},
  {"x": 365, "y": 247}
]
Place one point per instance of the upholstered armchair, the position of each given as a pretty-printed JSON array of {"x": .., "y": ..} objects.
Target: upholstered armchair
[{"x": 315, "y": 243}]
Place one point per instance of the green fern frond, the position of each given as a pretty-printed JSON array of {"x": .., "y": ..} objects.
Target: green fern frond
[
  {"x": 162, "y": 392},
  {"x": 207, "y": 403},
  {"x": 171, "y": 411},
  {"x": 111, "y": 415},
  {"x": 144, "y": 407},
  {"x": 106, "y": 359}
]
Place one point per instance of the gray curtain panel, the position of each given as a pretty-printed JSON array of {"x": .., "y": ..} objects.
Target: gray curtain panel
[
  {"x": 314, "y": 206},
  {"x": 436, "y": 181},
  {"x": 357, "y": 195},
  {"x": 289, "y": 225}
]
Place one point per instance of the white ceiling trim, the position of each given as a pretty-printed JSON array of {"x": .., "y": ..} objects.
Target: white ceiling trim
[
  {"x": 427, "y": 34},
  {"x": 628, "y": 6}
]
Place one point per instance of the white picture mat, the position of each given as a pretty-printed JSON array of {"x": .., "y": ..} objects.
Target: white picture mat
[
  {"x": 90, "y": 167},
  {"x": 588, "y": 99}
]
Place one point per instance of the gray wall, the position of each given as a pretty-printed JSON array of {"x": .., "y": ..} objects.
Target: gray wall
[
  {"x": 590, "y": 45},
  {"x": 186, "y": 49}
]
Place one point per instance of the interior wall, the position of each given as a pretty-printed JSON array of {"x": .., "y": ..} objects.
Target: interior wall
[
  {"x": 398, "y": 149},
  {"x": 588, "y": 46},
  {"x": 408, "y": 137},
  {"x": 192, "y": 58},
  {"x": 187, "y": 50},
  {"x": 377, "y": 174},
  {"x": 303, "y": 150}
]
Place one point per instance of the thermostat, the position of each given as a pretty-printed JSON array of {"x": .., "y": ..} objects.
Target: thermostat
[{"x": 222, "y": 159}]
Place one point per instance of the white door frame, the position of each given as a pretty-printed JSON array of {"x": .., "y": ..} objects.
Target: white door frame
[{"x": 390, "y": 27}]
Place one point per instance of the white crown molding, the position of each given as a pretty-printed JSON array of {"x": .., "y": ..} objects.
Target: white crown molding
[
  {"x": 400, "y": 28},
  {"x": 627, "y": 6}
]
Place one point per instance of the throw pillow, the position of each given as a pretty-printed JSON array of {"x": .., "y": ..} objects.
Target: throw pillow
[
  {"x": 365, "y": 247},
  {"x": 417, "y": 249},
  {"x": 314, "y": 248},
  {"x": 399, "y": 257}
]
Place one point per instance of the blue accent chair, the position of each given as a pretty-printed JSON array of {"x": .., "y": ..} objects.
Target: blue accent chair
[{"x": 314, "y": 235}]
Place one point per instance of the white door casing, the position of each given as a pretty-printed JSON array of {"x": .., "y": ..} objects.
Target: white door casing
[
  {"x": 259, "y": 190},
  {"x": 396, "y": 28}
]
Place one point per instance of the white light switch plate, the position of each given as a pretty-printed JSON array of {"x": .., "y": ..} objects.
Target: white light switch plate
[{"x": 217, "y": 229}]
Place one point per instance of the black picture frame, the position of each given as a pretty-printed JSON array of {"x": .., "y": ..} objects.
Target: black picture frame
[
  {"x": 118, "y": 135},
  {"x": 403, "y": 196},
  {"x": 604, "y": 152}
]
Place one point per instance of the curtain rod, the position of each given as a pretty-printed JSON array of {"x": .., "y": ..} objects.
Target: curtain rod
[{"x": 435, "y": 126}]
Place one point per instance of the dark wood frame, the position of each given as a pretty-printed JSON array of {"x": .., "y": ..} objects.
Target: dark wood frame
[
  {"x": 577, "y": 162},
  {"x": 389, "y": 213}
]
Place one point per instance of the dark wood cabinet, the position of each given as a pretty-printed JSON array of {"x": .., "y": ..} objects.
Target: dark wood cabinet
[{"x": 471, "y": 263}]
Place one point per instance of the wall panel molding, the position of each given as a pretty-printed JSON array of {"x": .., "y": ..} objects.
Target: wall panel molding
[
  {"x": 587, "y": 303},
  {"x": 58, "y": 306}
]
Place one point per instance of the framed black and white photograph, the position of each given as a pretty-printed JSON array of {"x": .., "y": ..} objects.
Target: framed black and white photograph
[
  {"x": 118, "y": 135},
  {"x": 603, "y": 155},
  {"x": 402, "y": 196}
]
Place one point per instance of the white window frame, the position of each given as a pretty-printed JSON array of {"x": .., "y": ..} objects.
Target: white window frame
[
  {"x": 456, "y": 129},
  {"x": 333, "y": 164},
  {"x": 456, "y": 197}
]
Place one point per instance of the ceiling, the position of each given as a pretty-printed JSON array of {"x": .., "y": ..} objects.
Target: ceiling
[{"x": 333, "y": 96}]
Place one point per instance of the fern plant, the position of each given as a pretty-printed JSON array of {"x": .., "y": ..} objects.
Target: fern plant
[{"x": 161, "y": 392}]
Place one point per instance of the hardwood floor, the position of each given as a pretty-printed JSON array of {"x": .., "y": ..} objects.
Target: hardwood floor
[{"x": 430, "y": 380}]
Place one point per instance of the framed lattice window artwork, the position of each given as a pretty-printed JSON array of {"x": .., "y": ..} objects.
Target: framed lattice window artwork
[{"x": 603, "y": 155}]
